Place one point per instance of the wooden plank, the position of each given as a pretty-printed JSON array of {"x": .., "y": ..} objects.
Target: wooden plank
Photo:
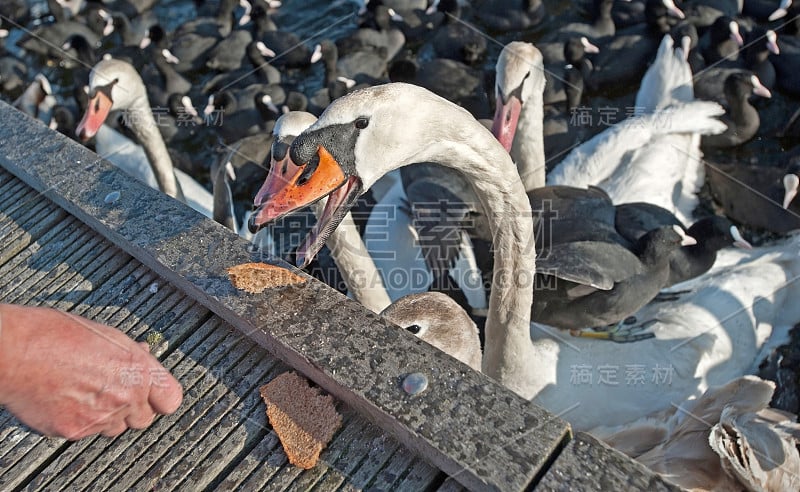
[
  {"x": 49, "y": 226},
  {"x": 587, "y": 464},
  {"x": 49, "y": 272},
  {"x": 35, "y": 449},
  {"x": 21, "y": 206},
  {"x": 389, "y": 474},
  {"x": 101, "y": 458},
  {"x": 372, "y": 450},
  {"x": 254, "y": 462},
  {"x": 347, "y": 454},
  {"x": 420, "y": 474},
  {"x": 104, "y": 459},
  {"x": 167, "y": 461},
  {"x": 380, "y": 452},
  {"x": 10, "y": 191},
  {"x": 17, "y": 270},
  {"x": 503, "y": 440},
  {"x": 450, "y": 485},
  {"x": 244, "y": 428}
]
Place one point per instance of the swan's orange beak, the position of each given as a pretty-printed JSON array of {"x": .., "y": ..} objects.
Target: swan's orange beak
[
  {"x": 289, "y": 187},
  {"x": 96, "y": 113},
  {"x": 506, "y": 116}
]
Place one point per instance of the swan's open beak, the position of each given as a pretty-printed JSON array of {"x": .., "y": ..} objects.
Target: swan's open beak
[
  {"x": 96, "y": 113},
  {"x": 289, "y": 187},
  {"x": 506, "y": 116}
]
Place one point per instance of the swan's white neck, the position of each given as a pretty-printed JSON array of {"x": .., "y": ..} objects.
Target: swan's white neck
[
  {"x": 508, "y": 352},
  {"x": 527, "y": 150},
  {"x": 145, "y": 128},
  {"x": 448, "y": 135}
]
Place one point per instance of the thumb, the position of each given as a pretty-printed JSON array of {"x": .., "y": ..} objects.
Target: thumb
[{"x": 166, "y": 393}]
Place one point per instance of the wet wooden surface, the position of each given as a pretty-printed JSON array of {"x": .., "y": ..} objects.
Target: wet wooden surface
[{"x": 220, "y": 436}]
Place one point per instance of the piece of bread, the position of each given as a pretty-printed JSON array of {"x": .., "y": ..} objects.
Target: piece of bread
[
  {"x": 304, "y": 419},
  {"x": 256, "y": 277}
]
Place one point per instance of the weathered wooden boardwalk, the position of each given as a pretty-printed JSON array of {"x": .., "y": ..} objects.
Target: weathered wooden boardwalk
[{"x": 145, "y": 263}]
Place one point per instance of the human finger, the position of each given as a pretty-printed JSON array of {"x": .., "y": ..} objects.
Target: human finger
[
  {"x": 140, "y": 419},
  {"x": 114, "y": 429},
  {"x": 166, "y": 393}
]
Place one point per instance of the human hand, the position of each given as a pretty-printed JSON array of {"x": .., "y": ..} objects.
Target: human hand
[{"x": 67, "y": 376}]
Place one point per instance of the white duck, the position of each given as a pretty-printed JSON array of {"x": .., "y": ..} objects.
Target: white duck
[
  {"x": 116, "y": 85},
  {"x": 707, "y": 337},
  {"x": 652, "y": 156},
  {"x": 727, "y": 439},
  {"x": 364, "y": 282}
]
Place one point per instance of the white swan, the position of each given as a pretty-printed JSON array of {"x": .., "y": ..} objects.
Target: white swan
[
  {"x": 116, "y": 85},
  {"x": 519, "y": 118},
  {"x": 393, "y": 243},
  {"x": 646, "y": 158},
  {"x": 364, "y": 135},
  {"x": 517, "y": 124},
  {"x": 363, "y": 281},
  {"x": 392, "y": 237}
]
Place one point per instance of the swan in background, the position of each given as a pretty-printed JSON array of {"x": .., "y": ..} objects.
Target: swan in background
[
  {"x": 437, "y": 319},
  {"x": 393, "y": 242},
  {"x": 669, "y": 79},
  {"x": 364, "y": 283},
  {"x": 115, "y": 85},
  {"x": 367, "y": 133},
  {"x": 519, "y": 117},
  {"x": 650, "y": 157},
  {"x": 37, "y": 100},
  {"x": 727, "y": 439}
]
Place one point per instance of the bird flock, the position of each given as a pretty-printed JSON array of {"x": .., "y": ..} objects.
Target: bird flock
[{"x": 591, "y": 202}]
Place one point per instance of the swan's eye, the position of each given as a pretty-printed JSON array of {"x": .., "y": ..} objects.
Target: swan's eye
[
  {"x": 415, "y": 329},
  {"x": 361, "y": 123}
]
